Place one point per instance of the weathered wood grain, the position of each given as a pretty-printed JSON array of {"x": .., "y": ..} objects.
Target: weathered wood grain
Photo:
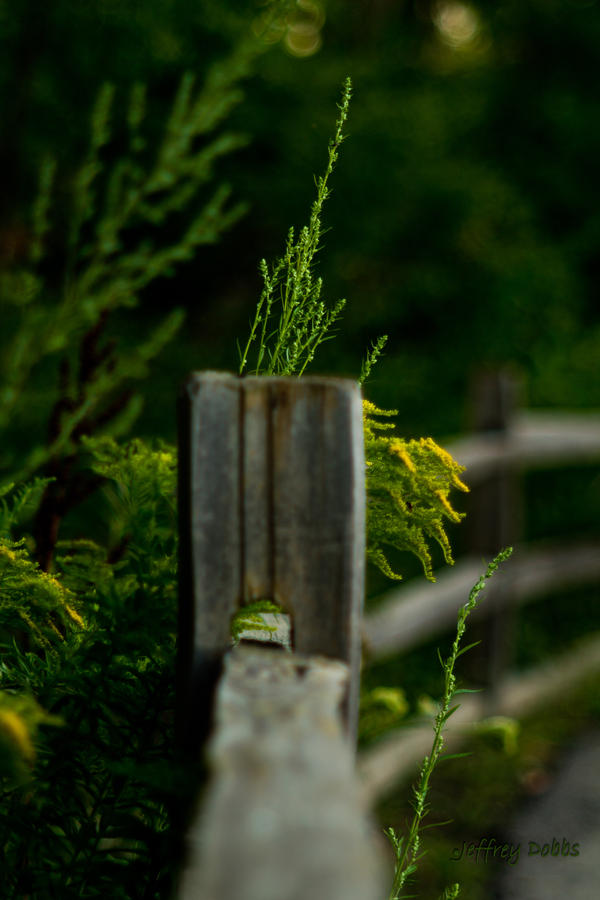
[
  {"x": 318, "y": 514},
  {"x": 210, "y": 552},
  {"x": 272, "y": 502},
  {"x": 257, "y": 487},
  {"x": 283, "y": 818}
]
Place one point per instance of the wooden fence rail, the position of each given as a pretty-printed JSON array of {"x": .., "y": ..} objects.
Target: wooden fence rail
[
  {"x": 284, "y": 818},
  {"x": 534, "y": 439},
  {"x": 410, "y": 615}
]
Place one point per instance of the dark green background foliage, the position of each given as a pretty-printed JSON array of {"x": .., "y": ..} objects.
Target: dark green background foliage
[
  {"x": 463, "y": 224},
  {"x": 463, "y": 217}
]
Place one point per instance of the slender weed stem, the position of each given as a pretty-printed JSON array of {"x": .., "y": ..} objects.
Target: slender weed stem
[{"x": 407, "y": 848}]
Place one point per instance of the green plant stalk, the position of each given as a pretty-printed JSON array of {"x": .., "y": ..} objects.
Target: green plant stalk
[
  {"x": 371, "y": 358},
  {"x": 296, "y": 289},
  {"x": 407, "y": 857}
]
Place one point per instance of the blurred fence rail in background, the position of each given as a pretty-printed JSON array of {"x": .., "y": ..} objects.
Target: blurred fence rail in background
[
  {"x": 411, "y": 615},
  {"x": 534, "y": 439},
  {"x": 506, "y": 441},
  {"x": 397, "y": 756}
]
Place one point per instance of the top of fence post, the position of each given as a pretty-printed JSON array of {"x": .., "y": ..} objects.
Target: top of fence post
[{"x": 272, "y": 505}]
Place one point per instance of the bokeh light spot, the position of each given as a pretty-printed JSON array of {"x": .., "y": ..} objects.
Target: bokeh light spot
[
  {"x": 303, "y": 36},
  {"x": 458, "y": 24}
]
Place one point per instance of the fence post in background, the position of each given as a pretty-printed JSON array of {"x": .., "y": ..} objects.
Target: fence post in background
[{"x": 493, "y": 523}]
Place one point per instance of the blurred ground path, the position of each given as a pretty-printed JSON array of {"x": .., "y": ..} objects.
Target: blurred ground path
[{"x": 566, "y": 815}]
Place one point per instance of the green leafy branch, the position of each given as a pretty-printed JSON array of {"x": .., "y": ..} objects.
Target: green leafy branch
[
  {"x": 130, "y": 222},
  {"x": 107, "y": 267}
]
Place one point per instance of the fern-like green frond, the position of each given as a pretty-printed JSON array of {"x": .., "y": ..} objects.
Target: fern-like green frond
[
  {"x": 19, "y": 503},
  {"x": 408, "y": 486},
  {"x": 32, "y": 600}
]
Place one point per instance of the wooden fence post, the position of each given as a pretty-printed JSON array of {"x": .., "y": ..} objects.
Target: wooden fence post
[
  {"x": 272, "y": 505},
  {"x": 494, "y": 523}
]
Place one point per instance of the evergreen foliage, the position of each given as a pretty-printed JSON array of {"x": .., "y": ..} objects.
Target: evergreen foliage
[
  {"x": 110, "y": 259},
  {"x": 87, "y": 814}
]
